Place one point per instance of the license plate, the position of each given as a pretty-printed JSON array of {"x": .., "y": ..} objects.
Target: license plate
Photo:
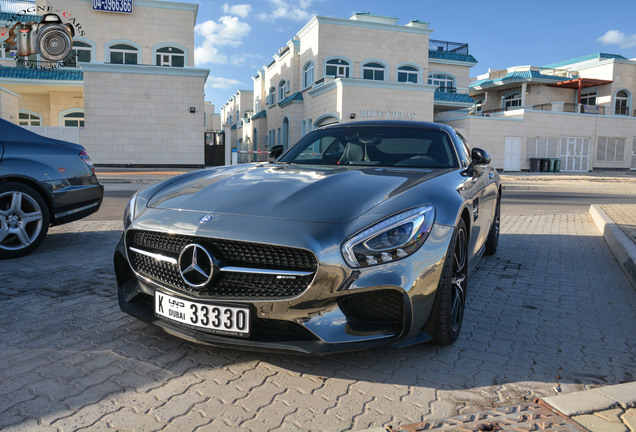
[{"x": 228, "y": 320}]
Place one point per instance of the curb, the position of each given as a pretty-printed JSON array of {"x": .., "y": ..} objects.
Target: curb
[
  {"x": 622, "y": 247},
  {"x": 598, "y": 399}
]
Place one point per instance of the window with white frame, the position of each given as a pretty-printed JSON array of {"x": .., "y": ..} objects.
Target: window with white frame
[
  {"x": 542, "y": 147},
  {"x": 373, "y": 71},
  {"x": 408, "y": 74},
  {"x": 308, "y": 74},
  {"x": 123, "y": 54},
  {"x": 170, "y": 56},
  {"x": 282, "y": 86},
  {"x": 610, "y": 149},
  {"x": 271, "y": 99},
  {"x": 73, "y": 119},
  {"x": 621, "y": 106},
  {"x": 479, "y": 105},
  {"x": 512, "y": 100},
  {"x": 81, "y": 53},
  {"x": 257, "y": 104},
  {"x": 445, "y": 83},
  {"x": 588, "y": 96},
  {"x": 238, "y": 117},
  {"x": 29, "y": 119},
  {"x": 2, "y": 53},
  {"x": 337, "y": 68}
]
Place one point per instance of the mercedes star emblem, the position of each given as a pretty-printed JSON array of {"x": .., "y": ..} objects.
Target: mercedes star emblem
[{"x": 196, "y": 265}]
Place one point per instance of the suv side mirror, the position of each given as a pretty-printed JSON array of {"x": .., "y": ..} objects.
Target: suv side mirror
[{"x": 276, "y": 151}]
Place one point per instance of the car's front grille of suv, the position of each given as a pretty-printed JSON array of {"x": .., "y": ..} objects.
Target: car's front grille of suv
[{"x": 155, "y": 255}]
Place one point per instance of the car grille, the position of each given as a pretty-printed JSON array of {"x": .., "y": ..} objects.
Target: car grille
[{"x": 230, "y": 285}]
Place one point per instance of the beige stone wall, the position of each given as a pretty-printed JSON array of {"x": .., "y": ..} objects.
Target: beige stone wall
[
  {"x": 51, "y": 102},
  {"x": 150, "y": 24},
  {"x": 490, "y": 132},
  {"x": 8, "y": 105},
  {"x": 143, "y": 118},
  {"x": 387, "y": 44}
]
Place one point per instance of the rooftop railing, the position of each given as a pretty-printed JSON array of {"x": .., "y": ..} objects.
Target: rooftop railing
[{"x": 454, "y": 47}]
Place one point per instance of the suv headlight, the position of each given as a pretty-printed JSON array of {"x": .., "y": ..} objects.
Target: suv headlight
[{"x": 391, "y": 239}]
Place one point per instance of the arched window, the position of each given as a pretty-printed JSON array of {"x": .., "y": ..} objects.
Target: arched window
[
  {"x": 170, "y": 56},
  {"x": 338, "y": 68},
  {"x": 271, "y": 97},
  {"x": 27, "y": 118},
  {"x": 445, "y": 83},
  {"x": 308, "y": 74},
  {"x": 373, "y": 71},
  {"x": 123, "y": 54},
  {"x": 407, "y": 74},
  {"x": 281, "y": 90},
  {"x": 73, "y": 119},
  {"x": 512, "y": 100},
  {"x": 621, "y": 106}
]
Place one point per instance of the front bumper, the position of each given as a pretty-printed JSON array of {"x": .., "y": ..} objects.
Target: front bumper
[{"x": 341, "y": 309}]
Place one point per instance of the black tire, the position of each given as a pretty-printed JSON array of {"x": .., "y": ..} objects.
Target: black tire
[
  {"x": 24, "y": 219},
  {"x": 492, "y": 242},
  {"x": 452, "y": 288}
]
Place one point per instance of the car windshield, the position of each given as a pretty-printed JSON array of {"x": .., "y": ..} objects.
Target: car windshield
[{"x": 375, "y": 146}]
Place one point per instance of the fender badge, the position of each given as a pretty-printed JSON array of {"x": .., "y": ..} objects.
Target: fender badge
[{"x": 206, "y": 218}]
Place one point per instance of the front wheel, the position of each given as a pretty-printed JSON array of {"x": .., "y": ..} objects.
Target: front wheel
[
  {"x": 452, "y": 288},
  {"x": 24, "y": 219}
]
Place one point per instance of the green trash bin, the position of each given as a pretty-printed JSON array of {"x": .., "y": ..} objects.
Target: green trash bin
[
  {"x": 550, "y": 164},
  {"x": 535, "y": 164},
  {"x": 557, "y": 165}
]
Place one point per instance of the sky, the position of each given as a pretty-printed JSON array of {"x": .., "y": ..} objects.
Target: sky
[{"x": 235, "y": 39}]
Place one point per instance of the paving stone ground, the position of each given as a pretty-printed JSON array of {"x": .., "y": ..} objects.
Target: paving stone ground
[{"x": 552, "y": 310}]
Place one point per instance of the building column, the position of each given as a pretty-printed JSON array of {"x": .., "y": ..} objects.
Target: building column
[{"x": 524, "y": 88}]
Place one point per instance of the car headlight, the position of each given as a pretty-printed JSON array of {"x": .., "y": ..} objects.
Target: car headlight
[
  {"x": 391, "y": 239},
  {"x": 129, "y": 211}
]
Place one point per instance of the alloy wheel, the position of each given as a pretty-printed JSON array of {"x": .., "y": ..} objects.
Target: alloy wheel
[
  {"x": 21, "y": 220},
  {"x": 458, "y": 281}
]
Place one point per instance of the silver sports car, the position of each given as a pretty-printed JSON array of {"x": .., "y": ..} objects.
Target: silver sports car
[{"x": 362, "y": 234}]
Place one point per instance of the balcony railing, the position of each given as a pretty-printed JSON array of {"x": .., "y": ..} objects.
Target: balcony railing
[{"x": 454, "y": 47}]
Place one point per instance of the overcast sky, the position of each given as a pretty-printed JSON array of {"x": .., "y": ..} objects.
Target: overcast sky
[{"x": 235, "y": 39}]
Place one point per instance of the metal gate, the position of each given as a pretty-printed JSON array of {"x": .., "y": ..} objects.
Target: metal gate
[
  {"x": 575, "y": 154},
  {"x": 214, "y": 149},
  {"x": 633, "y": 166}
]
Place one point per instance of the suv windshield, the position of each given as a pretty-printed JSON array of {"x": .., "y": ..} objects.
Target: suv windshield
[{"x": 375, "y": 146}]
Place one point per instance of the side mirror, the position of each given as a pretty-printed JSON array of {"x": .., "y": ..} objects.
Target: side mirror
[
  {"x": 480, "y": 157},
  {"x": 276, "y": 151}
]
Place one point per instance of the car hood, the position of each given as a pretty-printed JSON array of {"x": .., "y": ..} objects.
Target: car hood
[{"x": 294, "y": 192}]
